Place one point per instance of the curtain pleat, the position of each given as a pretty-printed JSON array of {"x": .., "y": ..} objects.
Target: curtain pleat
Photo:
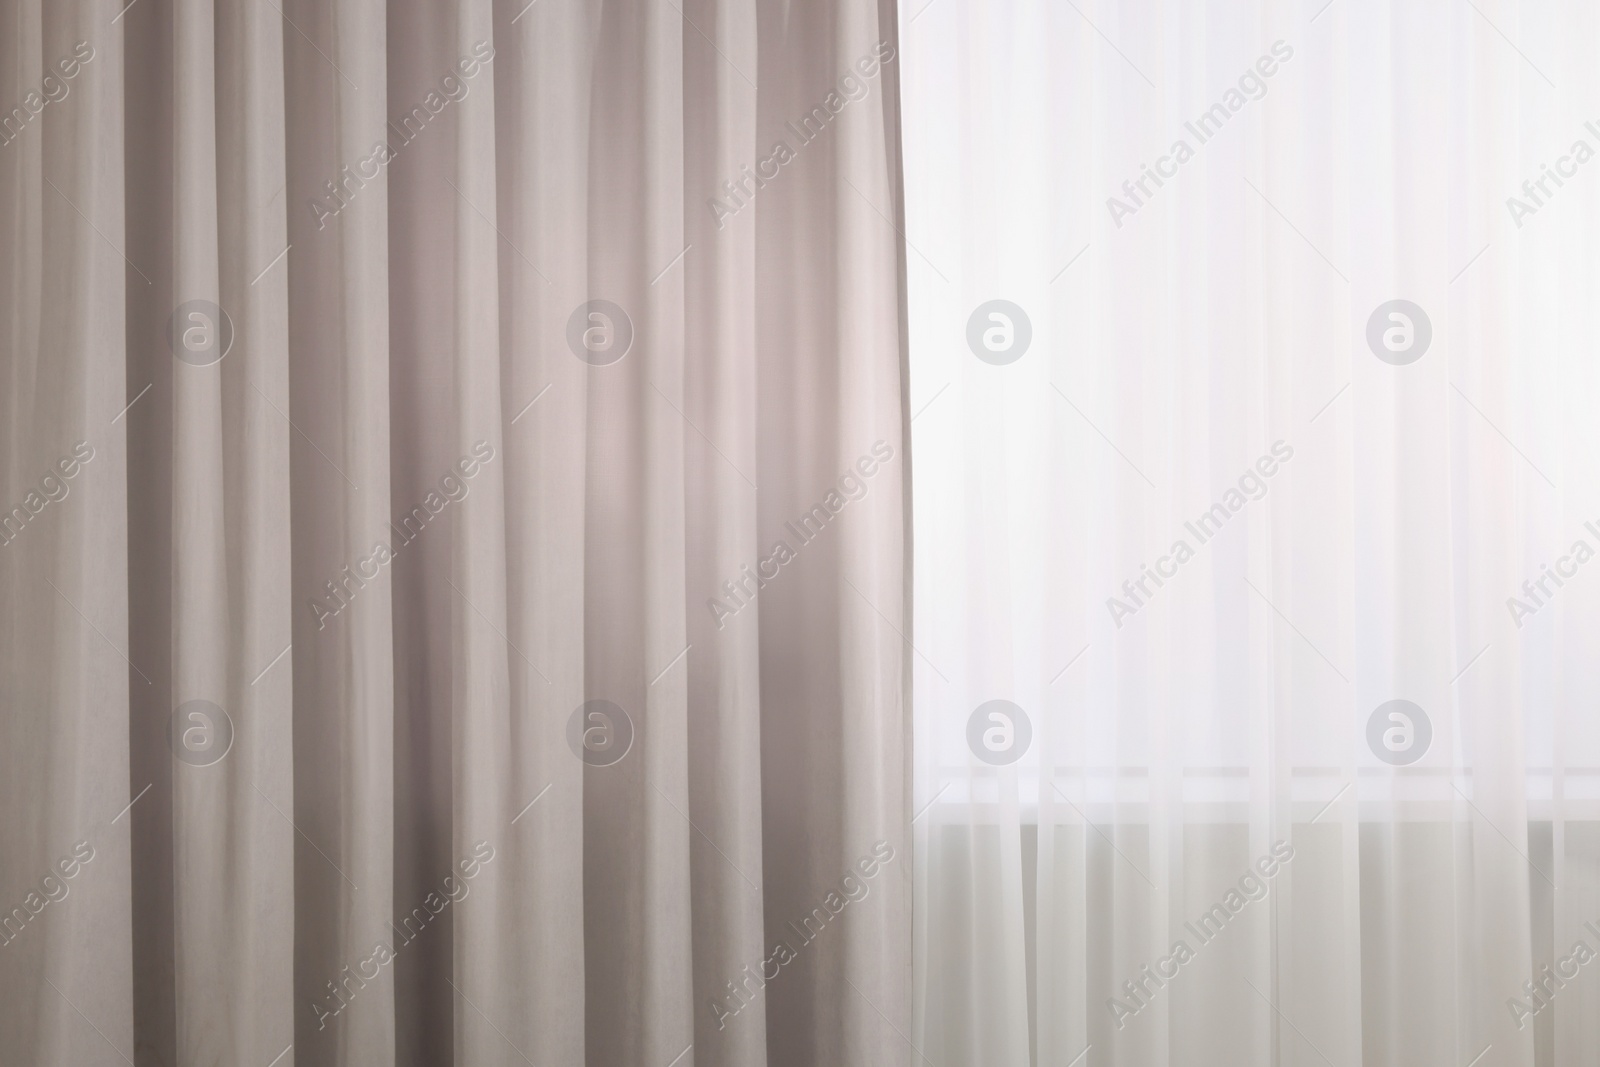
[
  {"x": 65, "y": 675},
  {"x": 425, "y": 601}
]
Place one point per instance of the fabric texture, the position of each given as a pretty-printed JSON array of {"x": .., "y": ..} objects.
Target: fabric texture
[
  {"x": 456, "y": 552},
  {"x": 1198, "y": 506}
]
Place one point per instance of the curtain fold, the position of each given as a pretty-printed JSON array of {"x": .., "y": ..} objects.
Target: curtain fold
[
  {"x": 479, "y": 635},
  {"x": 65, "y": 679}
]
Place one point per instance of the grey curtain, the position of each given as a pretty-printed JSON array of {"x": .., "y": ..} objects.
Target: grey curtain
[{"x": 454, "y": 540}]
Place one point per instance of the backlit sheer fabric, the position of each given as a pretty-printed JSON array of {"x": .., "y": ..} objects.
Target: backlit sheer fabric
[
  {"x": 424, "y": 373},
  {"x": 1203, "y": 210}
]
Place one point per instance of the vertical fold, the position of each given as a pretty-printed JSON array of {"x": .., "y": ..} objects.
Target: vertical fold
[
  {"x": 834, "y": 651},
  {"x": 871, "y": 400},
  {"x": 335, "y": 71},
  {"x": 485, "y": 790},
  {"x": 638, "y": 835},
  {"x": 65, "y": 672},
  {"x": 542, "y": 73},
  {"x": 723, "y": 550},
  {"x": 230, "y": 729},
  {"x": 204, "y": 793}
]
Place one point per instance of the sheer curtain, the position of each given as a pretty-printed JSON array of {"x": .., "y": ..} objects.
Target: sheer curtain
[
  {"x": 1252, "y": 393},
  {"x": 402, "y": 404}
]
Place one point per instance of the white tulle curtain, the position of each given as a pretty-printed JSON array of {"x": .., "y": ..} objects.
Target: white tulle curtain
[{"x": 1199, "y": 500}]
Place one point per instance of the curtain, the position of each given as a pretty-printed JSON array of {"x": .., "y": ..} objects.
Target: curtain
[
  {"x": 1252, "y": 408},
  {"x": 455, "y": 534}
]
